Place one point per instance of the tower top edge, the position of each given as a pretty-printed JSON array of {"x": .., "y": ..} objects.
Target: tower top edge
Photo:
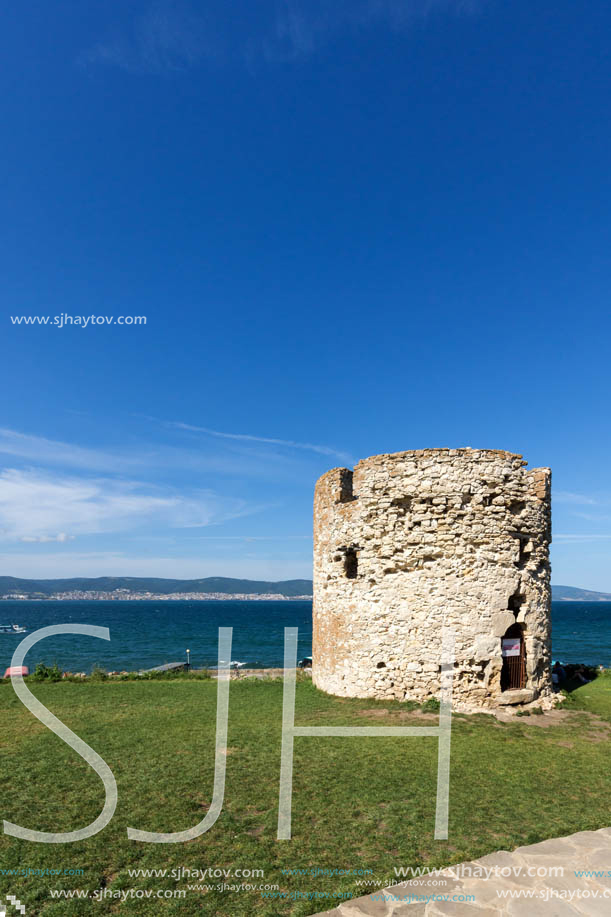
[{"x": 466, "y": 452}]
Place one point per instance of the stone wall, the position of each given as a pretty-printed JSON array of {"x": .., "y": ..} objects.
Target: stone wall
[{"x": 413, "y": 541}]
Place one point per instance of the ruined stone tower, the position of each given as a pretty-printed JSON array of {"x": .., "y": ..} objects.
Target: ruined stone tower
[{"x": 413, "y": 541}]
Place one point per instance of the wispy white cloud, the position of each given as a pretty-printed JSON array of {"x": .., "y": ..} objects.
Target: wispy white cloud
[
  {"x": 257, "y": 537},
  {"x": 35, "y": 506},
  {"x": 249, "y": 438},
  {"x": 61, "y": 537},
  {"x": 170, "y": 35},
  {"x": 577, "y": 538},
  {"x": 165, "y": 35},
  {"x": 54, "y": 452},
  {"x": 140, "y": 457},
  {"x": 565, "y": 496},
  {"x": 301, "y": 26},
  {"x": 54, "y": 564}
]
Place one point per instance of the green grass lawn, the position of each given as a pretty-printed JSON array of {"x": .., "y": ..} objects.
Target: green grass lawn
[
  {"x": 364, "y": 803},
  {"x": 595, "y": 697}
]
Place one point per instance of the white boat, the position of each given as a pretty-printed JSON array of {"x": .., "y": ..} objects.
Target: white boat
[{"x": 12, "y": 629}]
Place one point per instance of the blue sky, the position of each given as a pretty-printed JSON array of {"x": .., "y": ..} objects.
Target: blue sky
[{"x": 353, "y": 227}]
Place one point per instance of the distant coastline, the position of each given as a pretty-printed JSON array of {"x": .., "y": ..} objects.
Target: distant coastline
[
  {"x": 124, "y": 595},
  {"x": 574, "y": 594},
  {"x": 212, "y": 588},
  {"x": 152, "y": 589}
]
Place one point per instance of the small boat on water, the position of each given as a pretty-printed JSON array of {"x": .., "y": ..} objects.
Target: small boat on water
[{"x": 12, "y": 629}]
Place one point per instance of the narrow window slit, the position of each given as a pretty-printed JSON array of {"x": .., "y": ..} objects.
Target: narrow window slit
[{"x": 351, "y": 563}]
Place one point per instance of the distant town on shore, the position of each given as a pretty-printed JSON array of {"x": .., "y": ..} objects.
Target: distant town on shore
[
  {"x": 135, "y": 588},
  {"x": 130, "y": 588}
]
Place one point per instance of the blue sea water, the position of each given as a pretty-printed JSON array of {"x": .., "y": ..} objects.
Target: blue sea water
[{"x": 146, "y": 634}]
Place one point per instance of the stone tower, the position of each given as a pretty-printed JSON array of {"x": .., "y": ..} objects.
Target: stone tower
[{"x": 413, "y": 541}]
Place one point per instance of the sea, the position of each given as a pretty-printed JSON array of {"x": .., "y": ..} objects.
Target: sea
[{"x": 144, "y": 634}]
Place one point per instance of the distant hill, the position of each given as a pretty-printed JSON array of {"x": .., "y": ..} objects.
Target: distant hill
[
  {"x": 573, "y": 594},
  {"x": 11, "y": 584},
  {"x": 220, "y": 584}
]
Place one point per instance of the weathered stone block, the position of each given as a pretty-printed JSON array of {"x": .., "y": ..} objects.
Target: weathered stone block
[
  {"x": 519, "y": 696},
  {"x": 485, "y": 647}
]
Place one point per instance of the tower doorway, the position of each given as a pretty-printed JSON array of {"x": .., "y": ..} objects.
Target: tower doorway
[{"x": 513, "y": 673}]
